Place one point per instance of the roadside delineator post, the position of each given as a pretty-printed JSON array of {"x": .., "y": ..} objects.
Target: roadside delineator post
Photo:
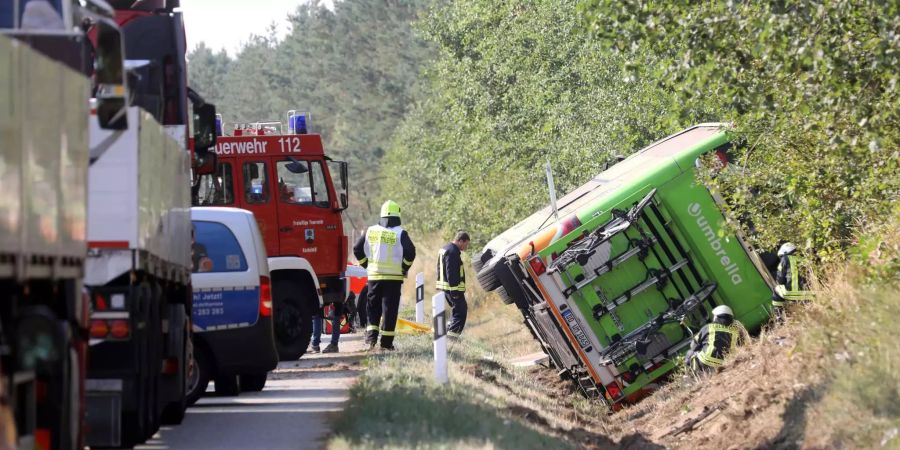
[
  {"x": 440, "y": 338},
  {"x": 420, "y": 297}
]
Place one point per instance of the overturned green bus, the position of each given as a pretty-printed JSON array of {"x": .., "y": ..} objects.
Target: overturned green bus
[{"x": 640, "y": 254}]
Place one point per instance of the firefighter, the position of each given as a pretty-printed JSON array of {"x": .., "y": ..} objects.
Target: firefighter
[
  {"x": 387, "y": 253},
  {"x": 714, "y": 341},
  {"x": 451, "y": 278},
  {"x": 789, "y": 283}
]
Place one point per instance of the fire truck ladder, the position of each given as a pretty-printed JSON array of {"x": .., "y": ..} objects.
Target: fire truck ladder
[
  {"x": 655, "y": 277},
  {"x": 583, "y": 250},
  {"x": 618, "y": 352}
]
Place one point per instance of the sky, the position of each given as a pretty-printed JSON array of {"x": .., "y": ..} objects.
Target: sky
[{"x": 225, "y": 24}]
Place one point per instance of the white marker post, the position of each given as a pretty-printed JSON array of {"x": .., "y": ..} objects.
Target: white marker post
[
  {"x": 420, "y": 297},
  {"x": 440, "y": 338}
]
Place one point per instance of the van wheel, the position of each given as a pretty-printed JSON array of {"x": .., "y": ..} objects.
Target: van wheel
[
  {"x": 253, "y": 382},
  {"x": 198, "y": 378},
  {"x": 227, "y": 385},
  {"x": 488, "y": 278},
  {"x": 293, "y": 318}
]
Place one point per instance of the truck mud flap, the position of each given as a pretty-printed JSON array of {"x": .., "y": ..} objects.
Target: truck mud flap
[{"x": 103, "y": 406}]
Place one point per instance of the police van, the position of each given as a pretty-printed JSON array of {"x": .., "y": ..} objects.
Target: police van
[{"x": 234, "y": 342}]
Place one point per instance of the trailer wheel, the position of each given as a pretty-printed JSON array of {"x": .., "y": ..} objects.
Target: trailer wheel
[
  {"x": 293, "y": 313},
  {"x": 173, "y": 413},
  {"x": 198, "y": 378},
  {"x": 488, "y": 278},
  {"x": 253, "y": 382},
  {"x": 227, "y": 386}
]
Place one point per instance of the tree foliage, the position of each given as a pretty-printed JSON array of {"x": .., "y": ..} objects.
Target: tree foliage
[
  {"x": 811, "y": 87},
  {"x": 516, "y": 84}
]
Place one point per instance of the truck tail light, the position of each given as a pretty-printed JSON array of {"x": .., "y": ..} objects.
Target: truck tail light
[
  {"x": 170, "y": 366},
  {"x": 119, "y": 329},
  {"x": 100, "y": 303},
  {"x": 265, "y": 297},
  {"x": 42, "y": 438},
  {"x": 613, "y": 390},
  {"x": 99, "y": 329},
  {"x": 537, "y": 265}
]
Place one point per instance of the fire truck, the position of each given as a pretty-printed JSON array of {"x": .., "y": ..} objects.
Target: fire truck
[{"x": 286, "y": 180}]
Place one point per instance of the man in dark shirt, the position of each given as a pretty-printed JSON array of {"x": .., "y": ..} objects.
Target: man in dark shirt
[{"x": 451, "y": 278}]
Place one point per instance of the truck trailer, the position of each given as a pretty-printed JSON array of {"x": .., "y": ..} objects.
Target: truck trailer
[
  {"x": 46, "y": 61},
  {"x": 138, "y": 268},
  {"x": 639, "y": 256}
]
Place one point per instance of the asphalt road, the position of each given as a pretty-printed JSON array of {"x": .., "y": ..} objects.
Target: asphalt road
[{"x": 292, "y": 412}]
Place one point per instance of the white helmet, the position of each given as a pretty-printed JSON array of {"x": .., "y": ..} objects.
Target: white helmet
[
  {"x": 786, "y": 249},
  {"x": 722, "y": 310}
]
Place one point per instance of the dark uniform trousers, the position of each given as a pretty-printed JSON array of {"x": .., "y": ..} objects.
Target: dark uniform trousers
[
  {"x": 383, "y": 298},
  {"x": 457, "y": 301}
]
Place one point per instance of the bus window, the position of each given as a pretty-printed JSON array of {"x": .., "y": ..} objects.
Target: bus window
[
  {"x": 256, "y": 187},
  {"x": 320, "y": 186},
  {"x": 293, "y": 182},
  {"x": 215, "y": 189}
]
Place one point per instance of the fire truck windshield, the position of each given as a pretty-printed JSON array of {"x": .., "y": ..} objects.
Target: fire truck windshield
[{"x": 306, "y": 188}]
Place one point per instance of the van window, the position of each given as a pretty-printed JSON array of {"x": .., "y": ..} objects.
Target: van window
[
  {"x": 216, "y": 249},
  {"x": 215, "y": 189},
  {"x": 256, "y": 185}
]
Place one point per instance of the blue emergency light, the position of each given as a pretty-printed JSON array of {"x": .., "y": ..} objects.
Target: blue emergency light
[
  {"x": 218, "y": 124},
  {"x": 297, "y": 123}
]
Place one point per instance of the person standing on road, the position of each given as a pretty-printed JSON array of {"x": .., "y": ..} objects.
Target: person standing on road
[
  {"x": 714, "y": 341},
  {"x": 387, "y": 253},
  {"x": 451, "y": 278},
  {"x": 319, "y": 326}
]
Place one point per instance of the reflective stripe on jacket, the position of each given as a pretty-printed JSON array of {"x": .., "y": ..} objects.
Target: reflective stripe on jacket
[
  {"x": 790, "y": 284},
  {"x": 720, "y": 340},
  {"x": 384, "y": 253},
  {"x": 451, "y": 275}
]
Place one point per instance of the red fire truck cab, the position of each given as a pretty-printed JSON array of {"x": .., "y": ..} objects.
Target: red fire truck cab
[{"x": 286, "y": 180}]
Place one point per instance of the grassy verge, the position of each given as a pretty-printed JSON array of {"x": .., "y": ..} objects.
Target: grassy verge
[{"x": 827, "y": 378}]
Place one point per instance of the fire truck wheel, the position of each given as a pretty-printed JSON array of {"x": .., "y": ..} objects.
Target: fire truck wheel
[
  {"x": 488, "y": 278},
  {"x": 253, "y": 382},
  {"x": 293, "y": 318}
]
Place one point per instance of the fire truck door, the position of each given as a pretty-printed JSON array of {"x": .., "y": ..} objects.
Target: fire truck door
[
  {"x": 308, "y": 222},
  {"x": 257, "y": 193}
]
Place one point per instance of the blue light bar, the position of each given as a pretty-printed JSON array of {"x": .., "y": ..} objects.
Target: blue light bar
[
  {"x": 297, "y": 124},
  {"x": 218, "y": 124}
]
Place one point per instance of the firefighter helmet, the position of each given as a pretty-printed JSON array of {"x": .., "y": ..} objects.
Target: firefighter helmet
[
  {"x": 786, "y": 249},
  {"x": 390, "y": 208},
  {"x": 722, "y": 310}
]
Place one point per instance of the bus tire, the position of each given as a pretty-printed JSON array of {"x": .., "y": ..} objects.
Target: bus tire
[{"x": 487, "y": 278}]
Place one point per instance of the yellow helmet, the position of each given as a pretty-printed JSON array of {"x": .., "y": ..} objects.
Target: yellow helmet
[{"x": 390, "y": 208}]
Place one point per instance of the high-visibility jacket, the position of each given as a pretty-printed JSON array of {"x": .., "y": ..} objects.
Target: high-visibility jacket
[
  {"x": 715, "y": 341},
  {"x": 451, "y": 275},
  {"x": 386, "y": 252},
  {"x": 790, "y": 283}
]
